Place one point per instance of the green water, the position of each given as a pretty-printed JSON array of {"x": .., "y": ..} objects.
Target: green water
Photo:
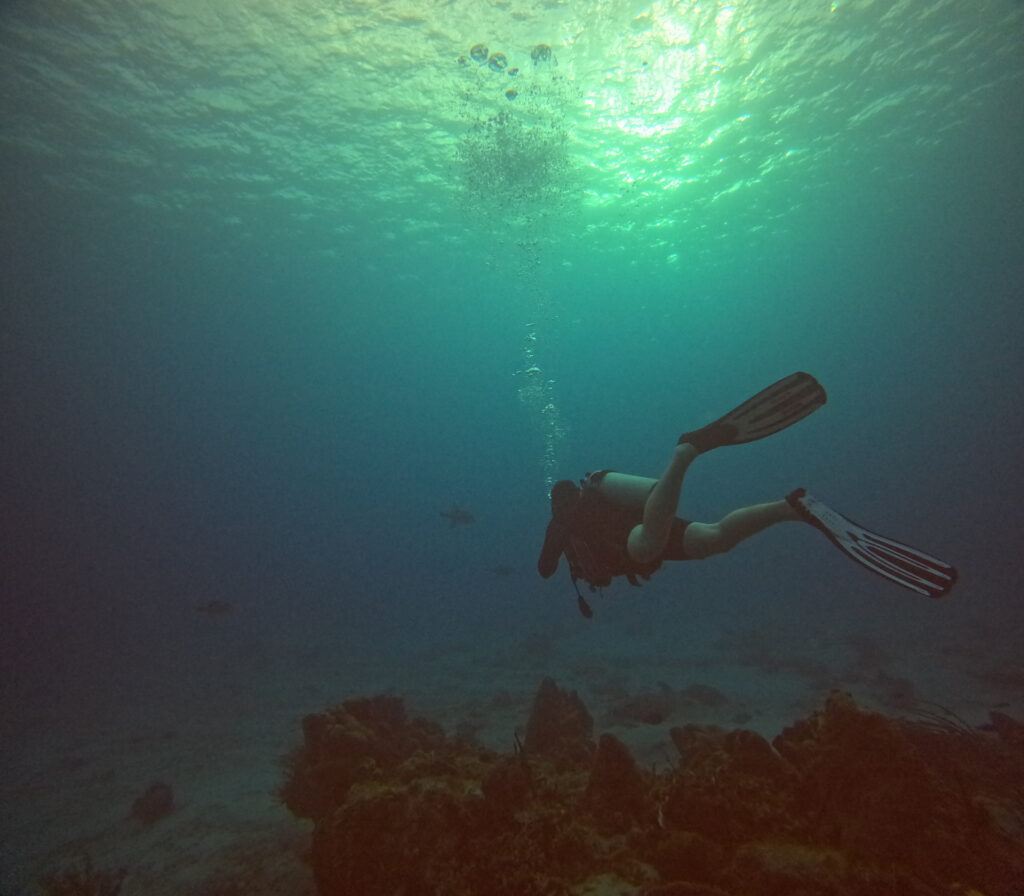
[{"x": 670, "y": 134}]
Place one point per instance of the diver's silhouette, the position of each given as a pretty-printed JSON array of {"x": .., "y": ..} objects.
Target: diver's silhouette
[{"x": 618, "y": 525}]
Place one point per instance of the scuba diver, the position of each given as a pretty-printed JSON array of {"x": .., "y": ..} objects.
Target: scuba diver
[{"x": 613, "y": 524}]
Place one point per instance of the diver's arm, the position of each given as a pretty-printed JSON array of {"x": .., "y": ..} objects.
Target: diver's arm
[{"x": 554, "y": 546}]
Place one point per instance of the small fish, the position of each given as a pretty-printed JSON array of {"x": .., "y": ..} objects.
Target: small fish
[
  {"x": 502, "y": 571},
  {"x": 458, "y": 516},
  {"x": 214, "y": 607}
]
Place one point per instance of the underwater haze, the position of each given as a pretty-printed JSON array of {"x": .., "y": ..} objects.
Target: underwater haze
[{"x": 283, "y": 282}]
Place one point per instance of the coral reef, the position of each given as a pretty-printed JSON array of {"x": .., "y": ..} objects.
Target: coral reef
[
  {"x": 844, "y": 802},
  {"x": 560, "y": 728},
  {"x": 84, "y": 881},
  {"x": 156, "y": 803},
  {"x": 615, "y": 789}
]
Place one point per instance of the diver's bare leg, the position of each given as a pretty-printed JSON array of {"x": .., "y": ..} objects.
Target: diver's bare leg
[
  {"x": 706, "y": 539},
  {"x": 647, "y": 541}
]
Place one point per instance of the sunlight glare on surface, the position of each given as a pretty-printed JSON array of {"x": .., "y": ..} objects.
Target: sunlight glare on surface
[{"x": 674, "y": 66}]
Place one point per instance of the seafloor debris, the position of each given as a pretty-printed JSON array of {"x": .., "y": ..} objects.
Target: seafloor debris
[
  {"x": 654, "y": 707},
  {"x": 84, "y": 881},
  {"x": 844, "y": 802},
  {"x": 155, "y": 803}
]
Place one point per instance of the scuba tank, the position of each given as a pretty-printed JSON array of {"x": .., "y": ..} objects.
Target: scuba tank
[
  {"x": 621, "y": 489},
  {"x": 625, "y": 492}
]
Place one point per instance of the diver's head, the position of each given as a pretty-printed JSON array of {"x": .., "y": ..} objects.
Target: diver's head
[{"x": 564, "y": 495}]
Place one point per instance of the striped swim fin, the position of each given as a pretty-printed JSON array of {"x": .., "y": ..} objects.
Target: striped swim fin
[
  {"x": 773, "y": 409},
  {"x": 906, "y": 566}
]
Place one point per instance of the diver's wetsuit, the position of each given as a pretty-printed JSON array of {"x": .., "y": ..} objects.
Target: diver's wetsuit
[{"x": 593, "y": 533}]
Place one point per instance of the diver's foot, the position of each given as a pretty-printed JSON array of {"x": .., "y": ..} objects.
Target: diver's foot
[
  {"x": 714, "y": 435},
  {"x": 793, "y": 499},
  {"x": 687, "y": 451}
]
